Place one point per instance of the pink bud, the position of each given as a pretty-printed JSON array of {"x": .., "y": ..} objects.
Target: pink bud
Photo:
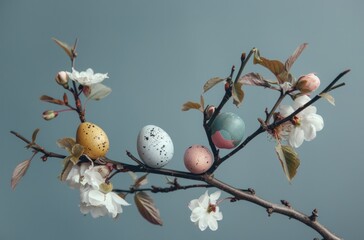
[
  {"x": 210, "y": 111},
  {"x": 49, "y": 115},
  {"x": 308, "y": 83},
  {"x": 62, "y": 78}
]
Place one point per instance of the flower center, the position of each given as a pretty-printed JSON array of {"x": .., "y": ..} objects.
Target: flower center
[
  {"x": 106, "y": 187},
  {"x": 211, "y": 208}
]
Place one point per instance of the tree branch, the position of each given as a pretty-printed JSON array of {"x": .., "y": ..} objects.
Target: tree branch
[
  {"x": 274, "y": 208},
  {"x": 247, "y": 195}
]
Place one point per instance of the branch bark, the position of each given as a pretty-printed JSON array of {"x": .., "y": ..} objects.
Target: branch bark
[
  {"x": 250, "y": 196},
  {"x": 274, "y": 208}
]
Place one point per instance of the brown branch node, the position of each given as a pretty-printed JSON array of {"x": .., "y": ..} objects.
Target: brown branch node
[
  {"x": 270, "y": 211},
  {"x": 286, "y": 203},
  {"x": 314, "y": 215}
]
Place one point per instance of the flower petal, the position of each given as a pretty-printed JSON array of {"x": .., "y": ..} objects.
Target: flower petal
[
  {"x": 96, "y": 197},
  {"x": 300, "y": 101},
  {"x": 217, "y": 214},
  {"x": 204, "y": 200},
  {"x": 196, "y": 214},
  {"x": 214, "y": 197},
  {"x": 193, "y": 204},
  {"x": 296, "y": 137},
  {"x": 212, "y": 223},
  {"x": 117, "y": 199},
  {"x": 314, "y": 119},
  {"x": 309, "y": 132},
  {"x": 285, "y": 110},
  {"x": 203, "y": 223}
]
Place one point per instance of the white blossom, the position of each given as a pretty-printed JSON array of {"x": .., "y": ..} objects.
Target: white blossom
[
  {"x": 304, "y": 125},
  {"x": 87, "y": 78},
  {"x": 99, "y": 202},
  {"x": 96, "y": 195},
  {"x": 205, "y": 211},
  {"x": 75, "y": 176}
]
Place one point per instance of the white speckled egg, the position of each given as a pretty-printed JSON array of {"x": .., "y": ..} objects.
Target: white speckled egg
[
  {"x": 155, "y": 147},
  {"x": 198, "y": 159}
]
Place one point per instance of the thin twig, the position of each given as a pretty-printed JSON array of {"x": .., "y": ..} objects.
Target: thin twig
[{"x": 247, "y": 195}]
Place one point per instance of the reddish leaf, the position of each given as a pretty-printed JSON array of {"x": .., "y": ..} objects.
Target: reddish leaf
[
  {"x": 65, "y": 47},
  {"x": 19, "y": 172},
  {"x": 141, "y": 181},
  {"x": 294, "y": 56},
  {"x": 238, "y": 94},
  {"x": 275, "y": 66},
  {"x": 49, "y": 99},
  {"x": 65, "y": 98},
  {"x": 253, "y": 79},
  {"x": 147, "y": 208}
]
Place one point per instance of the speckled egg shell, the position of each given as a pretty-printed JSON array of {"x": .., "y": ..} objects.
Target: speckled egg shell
[
  {"x": 155, "y": 147},
  {"x": 94, "y": 140},
  {"x": 227, "y": 130},
  {"x": 198, "y": 159}
]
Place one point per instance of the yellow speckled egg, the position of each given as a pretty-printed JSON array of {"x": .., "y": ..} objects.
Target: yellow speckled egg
[{"x": 93, "y": 138}]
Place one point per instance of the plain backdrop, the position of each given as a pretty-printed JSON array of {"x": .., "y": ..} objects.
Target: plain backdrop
[{"x": 158, "y": 55}]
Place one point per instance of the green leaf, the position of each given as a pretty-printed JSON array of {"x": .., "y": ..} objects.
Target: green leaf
[
  {"x": 66, "y": 169},
  {"x": 212, "y": 82},
  {"x": 289, "y": 160},
  {"x": 147, "y": 208},
  {"x": 66, "y": 143},
  {"x": 191, "y": 105},
  {"x": 65, "y": 47},
  {"x": 19, "y": 172},
  {"x": 328, "y": 97},
  {"x": 34, "y": 135},
  {"x": 237, "y": 93},
  {"x": 49, "y": 99},
  {"x": 77, "y": 151},
  {"x": 288, "y": 64}
]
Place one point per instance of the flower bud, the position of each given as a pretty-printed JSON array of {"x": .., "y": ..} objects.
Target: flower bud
[
  {"x": 308, "y": 83},
  {"x": 62, "y": 79},
  {"x": 49, "y": 115},
  {"x": 209, "y": 111}
]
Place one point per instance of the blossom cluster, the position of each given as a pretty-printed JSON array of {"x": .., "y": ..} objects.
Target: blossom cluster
[{"x": 96, "y": 194}]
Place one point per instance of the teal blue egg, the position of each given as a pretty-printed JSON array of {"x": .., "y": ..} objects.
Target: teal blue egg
[{"x": 227, "y": 130}]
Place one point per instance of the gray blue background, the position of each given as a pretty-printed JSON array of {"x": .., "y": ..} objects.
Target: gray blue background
[{"x": 158, "y": 55}]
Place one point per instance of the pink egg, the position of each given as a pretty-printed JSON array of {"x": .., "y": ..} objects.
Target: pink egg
[{"x": 198, "y": 159}]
